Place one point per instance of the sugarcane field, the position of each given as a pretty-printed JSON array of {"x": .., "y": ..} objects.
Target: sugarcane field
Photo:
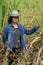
[{"x": 21, "y": 32}]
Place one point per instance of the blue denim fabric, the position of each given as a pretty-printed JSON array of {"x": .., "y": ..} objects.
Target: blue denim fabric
[{"x": 8, "y": 35}]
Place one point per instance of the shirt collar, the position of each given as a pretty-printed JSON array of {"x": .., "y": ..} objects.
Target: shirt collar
[{"x": 13, "y": 26}]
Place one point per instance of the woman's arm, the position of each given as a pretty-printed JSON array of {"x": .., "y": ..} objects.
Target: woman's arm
[
  {"x": 5, "y": 35},
  {"x": 31, "y": 31}
]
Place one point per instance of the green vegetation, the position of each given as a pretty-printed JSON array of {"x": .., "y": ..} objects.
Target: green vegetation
[
  {"x": 31, "y": 11},
  {"x": 31, "y": 14}
]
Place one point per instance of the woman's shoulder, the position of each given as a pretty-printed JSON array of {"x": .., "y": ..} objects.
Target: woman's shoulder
[
  {"x": 7, "y": 27},
  {"x": 21, "y": 25}
]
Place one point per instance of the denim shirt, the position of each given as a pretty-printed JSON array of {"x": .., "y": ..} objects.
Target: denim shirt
[{"x": 8, "y": 35}]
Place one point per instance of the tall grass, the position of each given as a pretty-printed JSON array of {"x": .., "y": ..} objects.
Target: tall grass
[
  {"x": 32, "y": 12},
  {"x": 31, "y": 15}
]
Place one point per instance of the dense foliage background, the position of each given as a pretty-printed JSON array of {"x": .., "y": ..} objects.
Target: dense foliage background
[
  {"x": 31, "y": 11},
  {"x": 31, "y": 14}
]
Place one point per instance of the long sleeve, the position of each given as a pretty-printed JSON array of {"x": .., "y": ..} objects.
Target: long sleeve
[
  {"x": 31, "y": 31},
  {"x": 5, "y": 35}
]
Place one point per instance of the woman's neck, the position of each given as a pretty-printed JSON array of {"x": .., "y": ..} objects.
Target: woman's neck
[{"x": 15, "y": 25}]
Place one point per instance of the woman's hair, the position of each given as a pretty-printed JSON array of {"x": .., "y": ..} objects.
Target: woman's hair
[{"x": 10, "y": 19}]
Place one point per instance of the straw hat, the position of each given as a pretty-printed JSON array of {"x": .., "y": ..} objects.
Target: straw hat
[{"x": 15, "y": 13}]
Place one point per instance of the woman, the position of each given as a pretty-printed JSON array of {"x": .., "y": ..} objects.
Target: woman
[{"x": 13, "y": 34}]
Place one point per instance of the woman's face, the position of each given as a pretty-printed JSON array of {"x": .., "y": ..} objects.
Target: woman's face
[{"x": 15, "y": 19}]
